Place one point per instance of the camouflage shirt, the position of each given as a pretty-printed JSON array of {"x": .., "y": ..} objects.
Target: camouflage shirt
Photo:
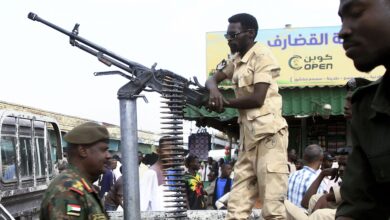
[{"x": 70, "y": 196}]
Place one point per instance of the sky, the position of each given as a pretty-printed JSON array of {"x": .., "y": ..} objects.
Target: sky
[{"x": 39, "y": 68}]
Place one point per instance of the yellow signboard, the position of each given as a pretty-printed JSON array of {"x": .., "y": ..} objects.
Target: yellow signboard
[{"x": 307, "y": 56}]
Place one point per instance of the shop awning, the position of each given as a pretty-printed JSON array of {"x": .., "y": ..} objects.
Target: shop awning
[
  {"x": 310, "y": 101},
  {"x": 192, "y": 112},
  {"x": 225, "y": 121},
  {"x": 297, "y": 101}
]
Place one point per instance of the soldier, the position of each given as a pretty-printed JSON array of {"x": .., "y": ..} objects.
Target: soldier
[
  {"x": 366, "y": 39},
  {"x": 261, "y": 169},
  {"x": 71, "y": 195}
]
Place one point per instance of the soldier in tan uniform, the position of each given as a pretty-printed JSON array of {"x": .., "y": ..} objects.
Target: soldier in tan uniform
[
  {"x": 261, "y": 169},
  {"x": 71, "y": 194}
]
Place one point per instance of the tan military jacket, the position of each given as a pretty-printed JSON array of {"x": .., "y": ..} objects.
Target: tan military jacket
[{"x": 257, "y": 66}]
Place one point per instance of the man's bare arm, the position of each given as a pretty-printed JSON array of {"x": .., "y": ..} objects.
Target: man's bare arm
[
  {"x": 216, "y": 100},
  {"x": 254, "y": 100}
]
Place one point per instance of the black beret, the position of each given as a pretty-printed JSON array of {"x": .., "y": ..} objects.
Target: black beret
[{"x": 87, "y": 133}]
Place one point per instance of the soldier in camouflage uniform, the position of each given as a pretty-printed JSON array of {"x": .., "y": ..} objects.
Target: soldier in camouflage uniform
[{"x": 71, "y": 195}]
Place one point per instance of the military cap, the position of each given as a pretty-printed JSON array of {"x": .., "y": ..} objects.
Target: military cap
[{"x": 87, "y": 133}]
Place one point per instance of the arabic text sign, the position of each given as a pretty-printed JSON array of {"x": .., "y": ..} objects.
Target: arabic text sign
[{"x": 307, "y": 56}]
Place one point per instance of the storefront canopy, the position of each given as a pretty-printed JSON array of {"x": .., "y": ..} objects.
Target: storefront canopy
[
  {"x": 225, "y": 121},
  {"x": 311, "y": 101},
  {"x": 297, "y": 101}
]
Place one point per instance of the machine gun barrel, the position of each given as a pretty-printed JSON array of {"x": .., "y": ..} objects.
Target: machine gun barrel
[
  {"x": 192, "y": 96},
  {"x": 98, "y": 49}
]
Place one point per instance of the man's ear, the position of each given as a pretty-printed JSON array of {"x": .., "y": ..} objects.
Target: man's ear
[
  {"x": 158, "y": 151},
  {"x": 82, "y": 151},
  {"x": 252, "y": 34}
]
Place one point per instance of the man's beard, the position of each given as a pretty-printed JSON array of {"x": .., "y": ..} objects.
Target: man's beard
[{"x": 233, "y": 49}]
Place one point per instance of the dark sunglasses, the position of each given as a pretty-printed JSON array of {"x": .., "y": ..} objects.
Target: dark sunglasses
[{"x": 231, "y": 36}]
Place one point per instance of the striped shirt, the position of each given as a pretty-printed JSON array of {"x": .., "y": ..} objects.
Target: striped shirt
[{"x": 299, "y": 182}]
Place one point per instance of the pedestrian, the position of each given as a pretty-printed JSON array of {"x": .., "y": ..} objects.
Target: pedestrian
[
  {"x": 366, "y": 39},
  {"x": 114, "y": 198},
  {"x": 221, "y": 162},
  {"x": 71, "y": 195},
  {"x": 320, "y": 206},
  {"x": 107, "y": 179},
  {"x": 328, "y": 162},
  {"x": 117, "y": 173},
  {"x": 299, "y": 164},
  {"x": 193, "y": 183},
  {"x": 223, "y": 184},
  {"x": 210, "y": 189},
  {"x": 141, "y": 166},
  {"x": 292, "y": 158},
  {"x": 300, "y": 181},
  {"x": 351, "y": 86},
  {"x": 261, "y": 169},
  {"x": 152, "y": 189},
  {"x": 206, "y": 169}
]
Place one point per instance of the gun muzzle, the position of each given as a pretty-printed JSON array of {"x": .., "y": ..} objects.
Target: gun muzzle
[{"x": 32, "y": 16}]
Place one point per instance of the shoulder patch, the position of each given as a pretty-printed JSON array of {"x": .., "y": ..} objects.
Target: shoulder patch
[
  {"x": 73, "y": 209},
  {"x": 86, "y": 186},
  {"x": 76, "y": 190},
  {"x": 99, "y": 216},
  {"x": 77, "y": 185}
]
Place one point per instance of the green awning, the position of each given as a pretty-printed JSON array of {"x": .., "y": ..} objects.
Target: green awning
[
  {"x": 225, "y": 121},
  {"x": 296, "y": 102},
  {"x": 310, "y": 101},
  {"x": 192, "y": 112}
]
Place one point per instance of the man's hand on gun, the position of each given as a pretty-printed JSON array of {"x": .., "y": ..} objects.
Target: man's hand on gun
[{"x": 216, "y": 101}]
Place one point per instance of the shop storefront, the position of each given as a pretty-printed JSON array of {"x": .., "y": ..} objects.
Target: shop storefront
[
  {"x": 314, "y": 71},
  {"x": 315, "y": 116}
]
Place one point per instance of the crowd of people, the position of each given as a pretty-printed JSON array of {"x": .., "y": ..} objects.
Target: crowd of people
[
  {"x": 203, "y": 187},
  {"x": 313, "y": 184},
  {"x": 316, "y": 186}
]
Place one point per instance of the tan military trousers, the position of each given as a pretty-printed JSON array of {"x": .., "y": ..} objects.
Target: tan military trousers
[
  {"x": 296, "y": 213},
  {"x": 261, "y": 172}
]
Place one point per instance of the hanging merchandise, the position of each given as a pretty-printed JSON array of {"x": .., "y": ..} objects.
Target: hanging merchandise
[{"x": 199, "y": 144}]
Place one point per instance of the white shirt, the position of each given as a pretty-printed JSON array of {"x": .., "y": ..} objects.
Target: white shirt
[
  {"x": 117, "y": 173},
  {"x": 205, "y": 172},
  {"x": 152, "y": 195},
  {"x": 331, "y": 183}
]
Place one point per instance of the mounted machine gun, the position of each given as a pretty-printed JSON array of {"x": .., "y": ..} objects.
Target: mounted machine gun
[{"x": 139, "y": 74}]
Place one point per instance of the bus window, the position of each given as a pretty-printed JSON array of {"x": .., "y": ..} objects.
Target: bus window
[
  {"x": 26, "y": 160},
  {"x": 26, "y": 149},
  {"x": 40, "y": 157},
  {"x": 8, "y": 158},
  {"x": 53, "y": 141}
]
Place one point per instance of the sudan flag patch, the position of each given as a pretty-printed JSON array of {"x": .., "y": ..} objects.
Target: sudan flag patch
[{"x": 73, "y": 209}]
